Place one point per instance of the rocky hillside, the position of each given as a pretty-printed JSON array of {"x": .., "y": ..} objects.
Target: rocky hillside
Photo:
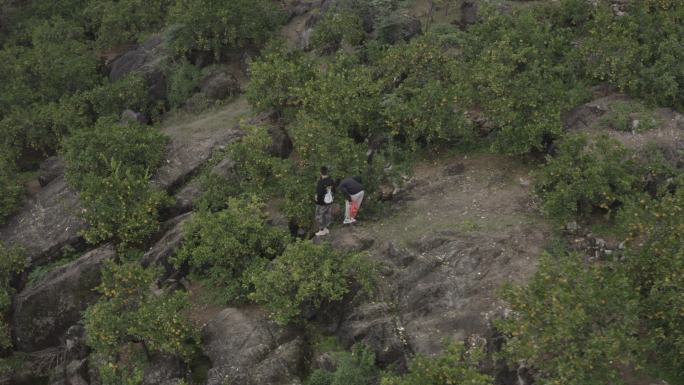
[{"x": 522, "y": 171}]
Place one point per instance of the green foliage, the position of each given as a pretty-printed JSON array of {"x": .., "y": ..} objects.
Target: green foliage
[
  {"x": 57, "y": 63},
  {"x": 630, "y": 116},
  {"x": 12, "y": 262},
  {"x": 345, "y": 96},
  {"x": 520, "y": 71},
  {"x": 575, "y": 322},
  {"x": 110, "y": 98},
  {"x": 222, "y": 27},
  {"x": 586, "y": 174},
  {"x": 183, "y": 82},
  {"x": 134, "y": 147},
  {"x": 38, "y": 78},
  {"x": 11, "y": 191},
  {"x": 125, "y": 21},
  {"x": 129, "y": 313},
  {"x": 420, "y": 104},
  {"x": 121, "y": 206},
  {"x": 454, "y": 365},
  {"x": 353, "y": 368},
  {"x": 219, "y": 247},
  {"x": 275, "y": 76},
  {"x": 307, "y": 273},
  {"x": 258, "y": 172},
  {"x": 640, "y": 53},
  {"x": 336, "y": 28},
  {"x": 655, "y": 264}
]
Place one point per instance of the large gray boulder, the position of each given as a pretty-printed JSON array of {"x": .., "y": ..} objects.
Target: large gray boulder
[
  {"x": 164, "y": 370},
  {"x": 168, "y": 244},
  {"x": 45, "y": 311},
  {"x": 149, "y": 59},
  {"x": 46, "y": 223},
  {"x": 246, "y": 348},
  {"x": 219, "y": 84}
]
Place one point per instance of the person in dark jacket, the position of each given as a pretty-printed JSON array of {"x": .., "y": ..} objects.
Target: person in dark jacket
[
  {"x": 324, "y": 199},
  {"x": 353, "y": 192}
]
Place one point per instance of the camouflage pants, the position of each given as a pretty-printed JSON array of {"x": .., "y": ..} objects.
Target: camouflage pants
[{"x": 323, "y": 215}]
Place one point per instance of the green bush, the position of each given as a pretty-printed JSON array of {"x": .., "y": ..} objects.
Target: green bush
[
  {"x": 12, "y": 262},
  {"x": 655, "y": 264},
  {"x": 307, "y": 273},
  {"x": 353, "y": 368},
  {"x": 183, "y": 82},
  {"x": 119, "y": 22},
  {"x": 258, "y": 172},
  {"x": 91, "y": 152},
  {"x": 121, "y": 206},
  {"x": 219, "y": 247},
  {"x": 630, "y": 116},
  {"x": 453, "y": 366},
  {"x": 130, "y": 313},
  {"x": 586, "y": 174},
  {"x": 345, "y": 96},
  {"x": 222, "y": 27},
  {"x": 640, "y": 53},
  {"x": 335, "y": 28},
  {"x": 275, "y": 76},
  {"x": 110, "y": 98},
  {"x": 576, "y": 323},
  {"x": 11, "y": 191},
  {"x": 521, "y": 72}
]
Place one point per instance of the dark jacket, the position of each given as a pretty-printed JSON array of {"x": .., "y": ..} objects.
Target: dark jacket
[
  {"x": 351, "y": 186},
  {"x": 321, "y": 189}
]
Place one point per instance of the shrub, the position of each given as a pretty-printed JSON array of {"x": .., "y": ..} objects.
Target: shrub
[
  {"x": 275, "y": 76},
  {"x": 353, "y": 368},
  {"x": 60, "y": 61},
  {"x": 575, "y": 323},
  {"x": 345, "y": 96},
  {"x": 521, "y": 73},
  {"x": 12, "y": 262},
  {"x": 307, "y": 273},
  {"x": 220, "y": 27},
  {"x": 110, "y": 98},
  {"x": 184, "y": 81},
  {"x": 655, "y": 264},
  {"x": 121, "y": 206},
  {"x": 630, "y": 116},
  {"x": 258, "y": 172},
  {"x": 219, "y": 247},
  {"x": 453, "y": 366},
  {"x": 137, "y": 148},
  {"x": 584, "y": 175},
  {"x": 118, "y": 22},
  {"x": 11, "y": 191},
  {"x": 640, "y": 53},
  {"x": 130, "y": 313},
  {"x": 335, "y": 28}
]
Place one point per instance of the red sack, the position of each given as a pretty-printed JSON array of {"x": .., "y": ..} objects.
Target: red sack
[{"x": 354, "y": 209}]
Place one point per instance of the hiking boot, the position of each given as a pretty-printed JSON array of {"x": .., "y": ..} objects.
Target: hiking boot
[
  {"x": 347, "y": 221},
  {"x": 323, "y": 232}
]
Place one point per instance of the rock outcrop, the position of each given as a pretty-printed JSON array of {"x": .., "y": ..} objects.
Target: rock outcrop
[
  {"x": 167, "y": 245},
  {"x": 148, "y": 59},
  {"x": 193, "y": 142},
  {"x": 46, "y": 310},
  {"x": 246, "y": 348},
  {"x": 46, "y": 223}
]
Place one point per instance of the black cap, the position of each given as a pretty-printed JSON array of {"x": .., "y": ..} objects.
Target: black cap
[{"x": 324, "y": 170}]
